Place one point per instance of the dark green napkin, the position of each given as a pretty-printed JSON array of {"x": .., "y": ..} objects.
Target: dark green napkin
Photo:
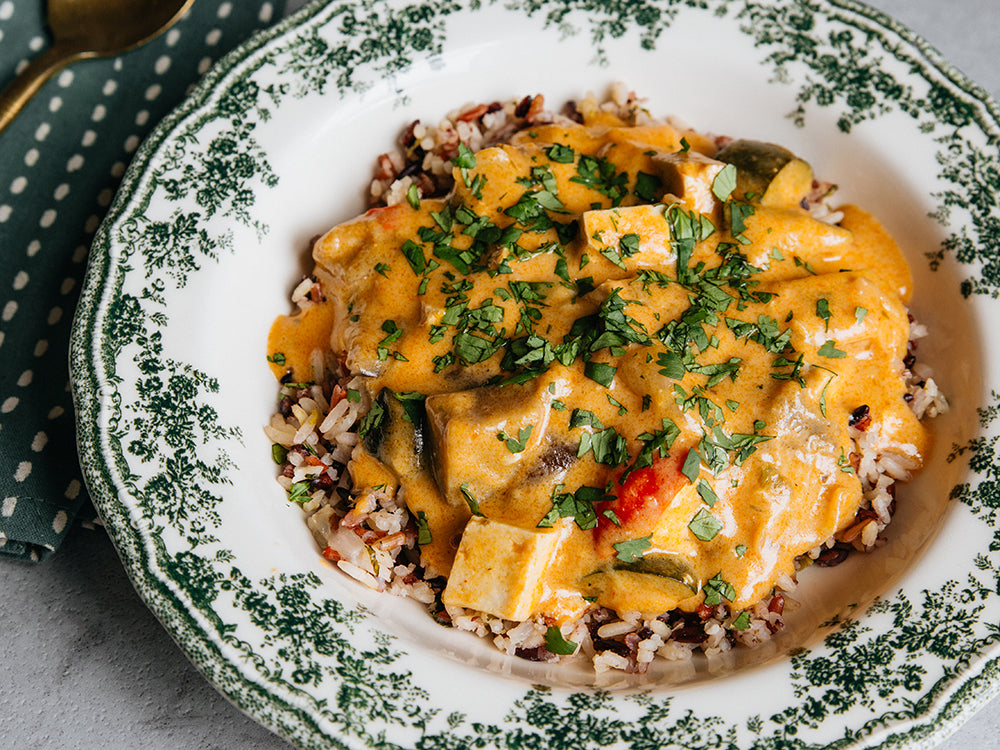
[{"x": 60, "y": 163}]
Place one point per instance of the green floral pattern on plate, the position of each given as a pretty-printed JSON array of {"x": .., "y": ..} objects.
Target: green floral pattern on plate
[{"x": 159, "y": 449}]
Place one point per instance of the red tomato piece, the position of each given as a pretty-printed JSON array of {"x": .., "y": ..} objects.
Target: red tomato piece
[{"x": 640, "y": 501}]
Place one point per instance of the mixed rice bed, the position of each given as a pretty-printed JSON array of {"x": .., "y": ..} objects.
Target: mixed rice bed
[{"x": 373, "y": 538}]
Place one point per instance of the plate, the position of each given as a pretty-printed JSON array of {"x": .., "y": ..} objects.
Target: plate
[{"x": 208, "y": 235}]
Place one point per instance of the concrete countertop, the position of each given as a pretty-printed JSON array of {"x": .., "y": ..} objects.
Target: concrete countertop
[{"x": 85, "y": 664}]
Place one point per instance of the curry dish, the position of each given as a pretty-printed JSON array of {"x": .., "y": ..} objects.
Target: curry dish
[{"x": 618, "y": 368}]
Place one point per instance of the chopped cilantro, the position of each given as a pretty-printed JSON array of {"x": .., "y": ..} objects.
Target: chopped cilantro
[
  {"x": 692, "y": 466},
  {"x": 277, "y": 358},
  {"x": 470, "y": 499},
  {"x": 354, "y": 395},
  {"x": 742, "y": 622},
  {"x": 704, "y": 525},
  {"x": 830, "y": 350},
  {"x": 632, "y": 549},
  {"x": 716, "y": 589},
  {"x": 823, "y": 312},
  {"x": 724, "y": 183},
  {"x": 278, "y": 453},
  {"x": 414, "y": 255},
  {"x": 413, "y": 196},
  {"x": 600, "y": 372},
  {"x": 578, "y": 505},
  {"x": 860, "y": 313},
  {"x": 518, "y": 445},
  {"x": 383, "y": 269},
  {"x": 423, "y": 530},
  {"x": 299, "y": 492},
  {"x": 556, "y": 644},
  {"x": 707, "y": 493},
  {"x": 560, "y": 154},
  {"x": 741, "y": 549}
]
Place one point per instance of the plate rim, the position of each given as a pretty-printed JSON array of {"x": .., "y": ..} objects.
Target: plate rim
[{"x": 89, "y": 381}]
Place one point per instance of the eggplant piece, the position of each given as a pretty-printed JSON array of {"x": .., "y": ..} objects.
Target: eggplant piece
[
  {"x": 767, "y": 173},
  {"x": 663, "y": 566},
  {"x": 395, "y": 431},
  {"x": 656, "y": 582}
]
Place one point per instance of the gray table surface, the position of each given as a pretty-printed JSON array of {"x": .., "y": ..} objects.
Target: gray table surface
[{"x": 85, "y": 664}]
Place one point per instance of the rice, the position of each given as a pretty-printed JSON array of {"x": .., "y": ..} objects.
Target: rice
[{"x": 371, "y": 536}]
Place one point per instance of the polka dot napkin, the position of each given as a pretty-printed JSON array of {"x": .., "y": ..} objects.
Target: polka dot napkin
[{"x": 60, "y": 162}]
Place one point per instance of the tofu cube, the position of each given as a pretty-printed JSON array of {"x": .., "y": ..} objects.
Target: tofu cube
[{"x": 499, "y": 569}]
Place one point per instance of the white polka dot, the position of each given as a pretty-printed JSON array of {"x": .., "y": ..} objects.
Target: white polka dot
[
  {"x": 55, "y": 315},
  {"x": 26, "y": 377},
  {"x": 21, "y": 280},
  {"x": 9, "y": 405},
  {"x": 173, "y": 36},
  {"x": 99, "y": 112},
  {"x": 41, "y": 131},
  {"x": 153, "y": 91},
  {"x": 72, "y": 490},
  {"x": 9, "y": 503},
  {"x": 2, "y": 337},
  {"x": 142, "y": 117},
  {"x": 31, "y": 156},
  {"x": 6, "y": 9},
  {"x": 110, "y": 87},
  {"x": 38, "y": 444},
  {"x": 59, "y": 522},
  {"x": 18, "y": 185},
  {"x": 9, "y": 310},
  {"x": 212, "y": 38},
  {"x": 118, "y": 169},
  {"x": 162, "y": 64},
  {"x": 33, "y": 247},
  {"x": 48, "y": 218},
  {"x": 23, "y": 471},
  {"x": 204, "y": 64},
  {"x": 225, "y": 9},
  {"x": 67, "y": 285},
  {"x": 19, "y": 68},
  {"x": 66, "y": 78},
  {"x": 36, "y": 44},
  {"x": 61, "y": 192},
  {"x": 92, "y": 223},
  {"x": 55, "y": 103},
  {"x": 131, "y": 143},
  {"x": 89, "y": 136},
  {"x": 266, "y": 11},
  {"x": 74, "y": 163},
  {"x": 104, "y": 197},
  {"x": 117, "y": 64},
  {"x": 80, "y": 254},
  {"x": 5, "y": 212},
  {"x": 41, "y": 347},
  {"x": 56, "y": 412}
]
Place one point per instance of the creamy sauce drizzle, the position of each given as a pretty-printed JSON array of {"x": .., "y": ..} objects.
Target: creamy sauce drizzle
[{"x": 803, "y": 323}]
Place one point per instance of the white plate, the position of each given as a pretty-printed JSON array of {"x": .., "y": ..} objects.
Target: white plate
[{"x": 208, "y": 235}]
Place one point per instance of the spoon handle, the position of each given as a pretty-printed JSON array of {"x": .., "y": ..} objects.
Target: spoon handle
[{"x": 30, "y": 80}]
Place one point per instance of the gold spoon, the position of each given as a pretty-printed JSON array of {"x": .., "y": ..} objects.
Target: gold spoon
[{"x": 83, "y": 29}]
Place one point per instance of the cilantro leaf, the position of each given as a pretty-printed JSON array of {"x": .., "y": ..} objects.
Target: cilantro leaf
[
  {"x": 716, "y": 589},
  {"x": 556, "y": 644},
  {"x": 299, "y": 492},
  {"x": 423, "y": 530},
  {"x": 724, "y": 183},
  {"x": 829, "y": 349},
  {"x": 470, "y": 499},
  {"x": 632, "y": 549},
  {"x": 560, "y": 154},
  {"x": 705, "y": 526}
]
